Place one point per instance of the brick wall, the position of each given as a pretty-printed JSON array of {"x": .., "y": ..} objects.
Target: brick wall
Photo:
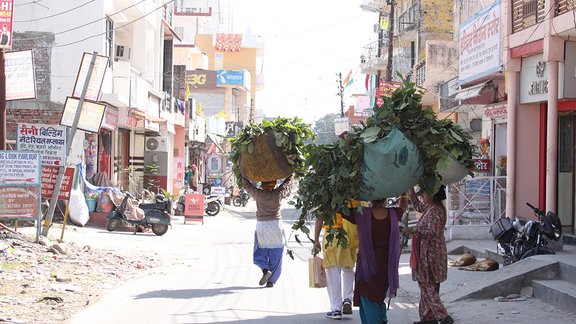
[{"x": 39, "y": 110}]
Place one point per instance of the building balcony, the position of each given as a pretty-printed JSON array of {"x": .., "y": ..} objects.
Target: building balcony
[
  {"x": 374, "y": 5},
  {"x": 168, "y": 13},
  {"x": 409, "y": 19},
  {"x": 527, "y": 13},
  {"x": 371, "y": 61}
]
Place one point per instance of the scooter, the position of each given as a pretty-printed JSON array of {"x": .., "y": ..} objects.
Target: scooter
[
  {"x": 156, "y": 215},
  {"x": 241, "y": 199}
]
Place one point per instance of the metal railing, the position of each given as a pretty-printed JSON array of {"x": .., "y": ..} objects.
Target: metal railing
[
  {"x": 409, "y": 19},
  {"x": 420, "y": 73},
  {"x": 476, "y": 201},
  {"x": 563, "y": 6},
  {"x": 527, "y": 13}
]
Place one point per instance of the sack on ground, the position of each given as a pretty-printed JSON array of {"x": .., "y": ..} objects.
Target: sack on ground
[
  {"x": 267, "y": 162},
  {"x": 316, "y": 273},
  {"x": 390, "y": 167},
  {"x": 78, "y": 210}
]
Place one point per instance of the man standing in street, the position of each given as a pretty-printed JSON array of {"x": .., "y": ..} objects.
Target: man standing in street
[{"x": 269, "y": 239}]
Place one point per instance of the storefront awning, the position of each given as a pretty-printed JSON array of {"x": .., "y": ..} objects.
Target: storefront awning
[
  {"x": 473, "y": 91},
  {"x": 142, "y": 115}
]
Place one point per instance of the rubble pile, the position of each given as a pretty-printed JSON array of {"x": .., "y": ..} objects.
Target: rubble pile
[{"x": 48, "y": 281}]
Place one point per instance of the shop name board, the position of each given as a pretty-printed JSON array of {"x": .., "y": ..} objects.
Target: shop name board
[
  {"x": 19, "y": 167},
  {"x": 48, "y": 140},
  {"x": 481, "y": 165},
  {"x": 229, "y": 77},
  {"x": 200, "y": 79},
  {"x": 480, "y": 44},
  {"x": 496, "y": 111},
  {"x": 49, "y": 175},
  {"x": 535, "y": 77}
]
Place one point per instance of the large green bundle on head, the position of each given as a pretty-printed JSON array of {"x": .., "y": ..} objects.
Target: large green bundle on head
[
  {"x": 335, "y": 177},
  {"x": 271, "y": 150}
]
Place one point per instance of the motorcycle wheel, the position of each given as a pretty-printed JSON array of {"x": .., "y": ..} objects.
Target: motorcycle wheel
[
  {"x": 113, "y": 224},
  {"x": 159, "y": 229},
  {"x": 237, "y": 201},
  {"x": 212, "y": 209},
  {"x": 538, "y": 250}
]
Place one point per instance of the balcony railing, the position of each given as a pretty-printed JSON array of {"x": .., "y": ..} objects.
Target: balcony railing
[
  {"x": 527, "y": 13},
  {"x": 420, "y": 73},
  {"x": 370, "y": 61},
  {"x": 409, "y": 19},
  {"x": 563, "y": 6},
  {"x": 168, "y": 13}
]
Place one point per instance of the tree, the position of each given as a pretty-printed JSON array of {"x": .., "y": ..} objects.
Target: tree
[{"x": 325, "y": 130}]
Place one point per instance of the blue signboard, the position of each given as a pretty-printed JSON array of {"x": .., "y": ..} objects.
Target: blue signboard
[{"x": 230, "y": 77}]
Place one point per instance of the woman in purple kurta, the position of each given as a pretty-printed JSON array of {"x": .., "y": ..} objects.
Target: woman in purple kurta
[
  {"x": 378, "y": 258},
  {"x": 429, "y": 260}
]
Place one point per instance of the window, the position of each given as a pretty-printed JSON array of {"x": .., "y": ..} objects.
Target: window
[
  {"x": 179, "y": 31},
  {"x": 109, "y": 40}
]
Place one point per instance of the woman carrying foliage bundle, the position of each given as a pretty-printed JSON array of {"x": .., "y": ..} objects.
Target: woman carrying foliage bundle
[
  {"x": 428, "y": 259},
  {"x": 378, "y": 259}
]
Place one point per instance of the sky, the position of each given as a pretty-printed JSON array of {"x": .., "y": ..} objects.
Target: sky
[{"x": 307, "y": 42}]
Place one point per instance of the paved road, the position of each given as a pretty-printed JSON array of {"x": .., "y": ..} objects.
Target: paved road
[{"x": 209, "y": 278}]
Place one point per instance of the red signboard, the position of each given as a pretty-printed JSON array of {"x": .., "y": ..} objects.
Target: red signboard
[
  {"x": 194, "y": 208},
  {"x": 385, "y": 89},
  {"x": 6, "y": 11},
  {"x": 19, "y": 203},
  {"x": 49, "y": 175},
  {"x": 481, "y": 165}
]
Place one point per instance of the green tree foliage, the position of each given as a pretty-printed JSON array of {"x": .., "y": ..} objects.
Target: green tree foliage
[{"x": 325, "y": 130}]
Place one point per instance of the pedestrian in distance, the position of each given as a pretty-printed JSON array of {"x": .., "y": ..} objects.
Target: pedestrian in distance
[
  {"x": 378, "y": 259},
  {"x": 428, "y": 259},
  {"x": 269, "y": 239},
  {"x": 191, "y": 177},
  {"x": 338, "y": 262}
]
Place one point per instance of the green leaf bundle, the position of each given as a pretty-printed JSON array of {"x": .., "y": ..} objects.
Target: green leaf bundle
[{"x": 291, "y": 135}]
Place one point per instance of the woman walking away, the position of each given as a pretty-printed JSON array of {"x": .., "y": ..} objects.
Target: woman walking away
[
  {"x": 378, "y": 259},
  {"x": 429, "y": 260}
]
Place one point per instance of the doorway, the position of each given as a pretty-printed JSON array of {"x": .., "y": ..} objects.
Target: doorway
[{"x": 566, "y": 174}]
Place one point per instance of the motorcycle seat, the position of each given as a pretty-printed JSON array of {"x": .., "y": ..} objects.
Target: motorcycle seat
[{"x": 160, "y": 205}]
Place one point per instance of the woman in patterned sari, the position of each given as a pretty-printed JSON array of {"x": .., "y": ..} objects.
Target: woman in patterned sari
[{"x": 429, "y": 260}]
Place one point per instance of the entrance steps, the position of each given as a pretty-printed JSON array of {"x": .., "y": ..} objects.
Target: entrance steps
[{"x": 552, "y": 277}]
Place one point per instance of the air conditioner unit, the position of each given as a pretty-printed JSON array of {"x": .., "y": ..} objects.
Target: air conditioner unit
[
  {"x": 123, "y": 52},
  {"x": 156, "y": 144}
]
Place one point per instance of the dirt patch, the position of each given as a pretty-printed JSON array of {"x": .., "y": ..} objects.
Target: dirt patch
[{"x": 48, "y": 283}]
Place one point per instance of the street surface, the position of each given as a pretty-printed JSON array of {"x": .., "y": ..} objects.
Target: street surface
[{"x": 209, "y": 277}]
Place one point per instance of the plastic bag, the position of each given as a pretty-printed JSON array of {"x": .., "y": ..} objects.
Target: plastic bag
[
  {"x": 77, "y": 208},
  {"x": 451, "y": 170},
  {"x": 391, "y": 166}
]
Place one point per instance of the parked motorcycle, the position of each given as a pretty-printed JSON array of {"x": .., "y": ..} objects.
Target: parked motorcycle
[
  {"x": 212, "y": 205},
  {"x": 156, "y": 215},
  {"x": 521, "y": 239},
  {"x": 242, "y": 199}
]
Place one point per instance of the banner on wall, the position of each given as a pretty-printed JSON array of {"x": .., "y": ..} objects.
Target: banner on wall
[{"x": 6, "y": 13}]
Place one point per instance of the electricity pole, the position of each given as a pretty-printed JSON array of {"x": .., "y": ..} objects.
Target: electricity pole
[
  {"x": 388, "y": 77},
  {"x": 341, "y": 94}
]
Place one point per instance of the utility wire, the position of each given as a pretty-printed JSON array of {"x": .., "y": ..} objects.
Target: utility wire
[
  {"x": 58, "y": 14},
  {"x": 116, "y": 28},
  {"x": 84, "y": 25}
]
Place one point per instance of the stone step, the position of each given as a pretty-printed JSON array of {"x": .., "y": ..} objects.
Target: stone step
[
  {"x": 557, "y": 293},
  {"x": 567, "y": 273}
]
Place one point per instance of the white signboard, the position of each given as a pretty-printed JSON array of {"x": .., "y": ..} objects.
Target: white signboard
[
  {"x": 341, "y": 125},
  {"x": 19, "y": 67},
  {"x": 480, "y": 44},
  {"x": 96, "y": 77},
  {"x": 48, "y": 140},
  {"x": 90, "y": 117},
  {"x": 217, "y": 191},
  {"x": 534, "y": 77},
  {"x": 18, "y": 168}
]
